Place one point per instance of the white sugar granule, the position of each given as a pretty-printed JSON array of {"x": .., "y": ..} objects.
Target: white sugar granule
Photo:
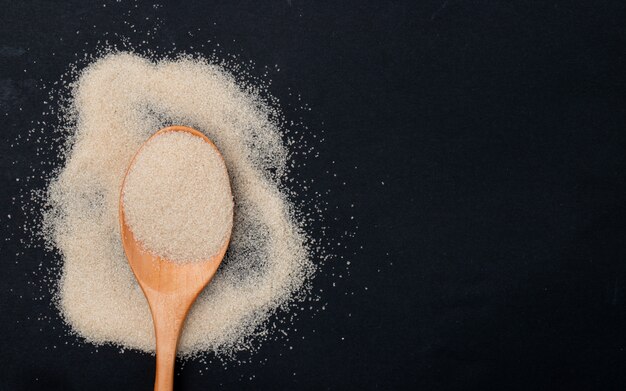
[
  {"x": 177, "y": 199},
  {"x": 117, "y": 103}
]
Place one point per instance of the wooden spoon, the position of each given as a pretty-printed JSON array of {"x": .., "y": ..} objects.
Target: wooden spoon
[{"x": 170, "y": 288}]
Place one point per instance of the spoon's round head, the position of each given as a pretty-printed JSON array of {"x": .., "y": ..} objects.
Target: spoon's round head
[{"x": 156, "y": 273}]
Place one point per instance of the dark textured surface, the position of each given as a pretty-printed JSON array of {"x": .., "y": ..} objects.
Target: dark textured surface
[{"x": 498, "y": 129}]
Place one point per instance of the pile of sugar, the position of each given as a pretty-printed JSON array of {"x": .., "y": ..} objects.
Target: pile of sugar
[
  {"x": 118, "y": 101},
  {"x": 177, "y": 198}
]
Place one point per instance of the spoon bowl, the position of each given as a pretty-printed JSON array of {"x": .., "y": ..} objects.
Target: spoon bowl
[{"x": 170, "y": 287}]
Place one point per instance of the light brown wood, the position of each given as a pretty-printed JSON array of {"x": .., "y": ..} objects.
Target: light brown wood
[{"x": 170, "y": 288}]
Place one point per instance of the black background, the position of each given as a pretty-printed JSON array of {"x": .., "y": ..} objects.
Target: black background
[{"x": 489, "y": 139}]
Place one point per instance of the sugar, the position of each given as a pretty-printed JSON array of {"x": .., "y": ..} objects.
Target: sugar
[
  {"x": 177, "y": 198},
  {"x": 117, "y": 102}
]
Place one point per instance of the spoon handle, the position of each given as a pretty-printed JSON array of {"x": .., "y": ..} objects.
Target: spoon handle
[
  {"x": 165, "y": 360},
  {"x": 168, "y": 315}
]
